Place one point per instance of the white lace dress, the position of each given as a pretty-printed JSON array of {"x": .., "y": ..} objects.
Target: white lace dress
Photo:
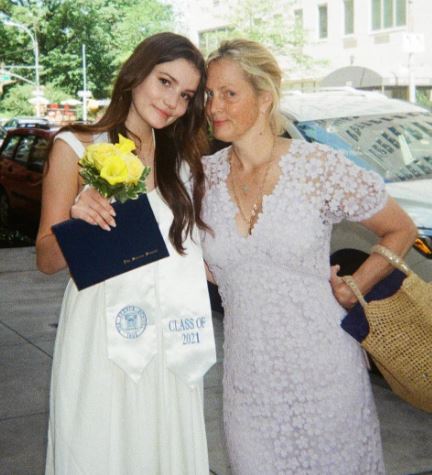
[{"x": 297, "y": 396}]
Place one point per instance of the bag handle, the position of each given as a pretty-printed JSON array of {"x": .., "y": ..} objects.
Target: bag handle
[
  {"x": 393, "y": 258},
  {"x": 348, "y": 279}
]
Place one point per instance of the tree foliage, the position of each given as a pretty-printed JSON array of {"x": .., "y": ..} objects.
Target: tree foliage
[
  {"x": 270, "y": 23},
  {"x": 16, "y": 99},
  {"x": 110, "y": 29},
  {"x": 141, "y": 19}
]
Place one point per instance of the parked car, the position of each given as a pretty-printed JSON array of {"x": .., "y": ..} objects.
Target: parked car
[
  {"x": 22, "y": 122},
  {"x": 3, "y": 132},
  {"x": 392, "y": 137},
  {"x": 22, "y": 158}
]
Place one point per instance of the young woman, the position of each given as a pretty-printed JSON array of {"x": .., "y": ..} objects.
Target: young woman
[
  {"x": 133, "y": 404},
  {"x": 297, "y": 397}
]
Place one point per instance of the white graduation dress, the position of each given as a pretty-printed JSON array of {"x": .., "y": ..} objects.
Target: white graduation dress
[{"x": 102, "y": 420}]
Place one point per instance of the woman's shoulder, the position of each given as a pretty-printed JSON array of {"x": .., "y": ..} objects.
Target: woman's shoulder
[
  {"x": 310, "y": 149},
  {"x": 221, "y": 152},
  {"x": 216, "y": 166},
  {"x": 216, "y": 159},
  {"x": 78, "y": 140}
]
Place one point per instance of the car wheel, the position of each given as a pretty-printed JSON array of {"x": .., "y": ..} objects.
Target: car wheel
[{"x": 4, "y": 209}]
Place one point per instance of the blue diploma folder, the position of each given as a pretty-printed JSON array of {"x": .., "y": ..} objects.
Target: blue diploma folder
[
  {"x": 94, "y": 255},
  {"x": 355, "y": 322}
]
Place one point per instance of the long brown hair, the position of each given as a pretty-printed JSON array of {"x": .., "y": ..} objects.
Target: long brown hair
[{"x": 183, "y": 140}]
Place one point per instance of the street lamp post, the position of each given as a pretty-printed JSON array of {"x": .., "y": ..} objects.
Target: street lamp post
[{"x": 36, "y": 56}]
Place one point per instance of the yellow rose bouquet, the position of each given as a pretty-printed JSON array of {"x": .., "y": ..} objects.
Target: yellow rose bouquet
[
  {"x": 114, "y": 170},
  {"x": 94, "y": 255}
]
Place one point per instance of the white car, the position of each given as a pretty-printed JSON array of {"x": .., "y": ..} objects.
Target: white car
[{"x": 392, "y": 137}]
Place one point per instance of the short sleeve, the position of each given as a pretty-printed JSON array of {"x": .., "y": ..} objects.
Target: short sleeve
[
  {"x": 73, "y": 142},
  {"x": 350, "y": 192}
]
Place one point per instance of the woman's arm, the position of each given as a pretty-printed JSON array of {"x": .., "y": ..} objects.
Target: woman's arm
[
  {"x": 396, "y": 231},
  {"x": 209, "y": 275},
  {"x": 60, "y": 187}
]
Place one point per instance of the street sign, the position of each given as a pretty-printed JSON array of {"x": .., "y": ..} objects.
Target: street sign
[
  {"x": 84, "y": 94},
  {"x": 4, "y": 77},
  {"x": 413, "y": 43}
]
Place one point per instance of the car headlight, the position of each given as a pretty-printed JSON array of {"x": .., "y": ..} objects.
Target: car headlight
[{"x": 423, "y": 243}]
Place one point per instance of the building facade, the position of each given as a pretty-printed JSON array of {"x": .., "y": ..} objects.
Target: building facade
[{"x": 372, "y": 44}]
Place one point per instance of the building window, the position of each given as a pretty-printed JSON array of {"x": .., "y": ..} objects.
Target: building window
[
  {"x": 401, "y": 13},
  {"x": 349, "y": 16},
  {"x": 298, "y": 18},
  {"x": 323, "y": 21},
  {"x": 388, "y": 13}
]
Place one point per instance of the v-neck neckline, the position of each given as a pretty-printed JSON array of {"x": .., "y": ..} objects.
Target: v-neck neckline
[{"x": 265, "y": 198}]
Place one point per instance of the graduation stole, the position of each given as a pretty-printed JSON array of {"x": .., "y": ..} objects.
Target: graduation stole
[{"x": 162, "y": 308}]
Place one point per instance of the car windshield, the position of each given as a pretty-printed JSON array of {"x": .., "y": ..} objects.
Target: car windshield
[{"x": 397, "y": 146}]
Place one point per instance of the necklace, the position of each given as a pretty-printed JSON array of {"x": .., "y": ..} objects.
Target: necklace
[
  {"x": 148, "y": 156},
  {"x": 253, "y": 214}
]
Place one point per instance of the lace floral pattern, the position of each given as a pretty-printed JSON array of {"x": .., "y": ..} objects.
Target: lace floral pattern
[{"x": 297, "y": 397}]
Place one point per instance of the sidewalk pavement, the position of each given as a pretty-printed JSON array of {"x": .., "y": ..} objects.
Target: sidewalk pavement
[{"x": 29, "y": 308}]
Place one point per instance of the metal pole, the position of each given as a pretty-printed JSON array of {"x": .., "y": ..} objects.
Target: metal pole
[
  {"x": 411, "y": 80},
  {"x": 36, "y": 53},
  {"x": 36, "y": 56},
  {"x": 84, "y": 99},
  {"x": 411, "y": 75}
]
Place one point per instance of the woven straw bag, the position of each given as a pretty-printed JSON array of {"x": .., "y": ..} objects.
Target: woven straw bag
[{"x": 400, "y": 334}]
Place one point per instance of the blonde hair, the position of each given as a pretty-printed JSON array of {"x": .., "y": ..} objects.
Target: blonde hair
[{"x": 260, "y": 68}]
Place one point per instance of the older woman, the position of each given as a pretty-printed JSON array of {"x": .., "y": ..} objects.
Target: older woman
[{"x": 297, "y": 397}]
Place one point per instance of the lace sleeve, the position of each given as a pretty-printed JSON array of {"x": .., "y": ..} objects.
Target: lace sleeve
[
  {"x": 350, "y": 192},
  {"x": 216, "y": 167}
]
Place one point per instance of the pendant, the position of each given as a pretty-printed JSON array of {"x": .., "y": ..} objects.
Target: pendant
[{"x": 245, "y": 188}]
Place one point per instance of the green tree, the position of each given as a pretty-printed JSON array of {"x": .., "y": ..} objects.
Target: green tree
[
  {"x": 424, "y": 98},
  {"x": 16, "y": 99},
  {"x": 109, "y": 29},
  {"x": 270, "y": 23},
  {"x": 69, "y": 26},
  {"x": 139, "y": 20}
]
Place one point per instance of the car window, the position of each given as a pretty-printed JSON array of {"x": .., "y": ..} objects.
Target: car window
[
  {"x": 9, "y": 146},
  {"x": 38, "y": 154},
  {"x": 397, "y": 146},
  {"x": 11, "y": 123},
  {"x": 23, "y": 150}
]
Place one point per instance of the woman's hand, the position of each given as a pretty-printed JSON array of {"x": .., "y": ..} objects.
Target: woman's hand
[
  {"x": 341, "y": 291},
  {"x": 93, "y": 208}
]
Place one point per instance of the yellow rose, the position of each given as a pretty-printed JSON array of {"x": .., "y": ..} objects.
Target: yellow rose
[
  {"x": 135, "y": 168},
  {"x": 98, "y": 153},
  {"x": 124, "y": 145},
  {"x": 114, "y": 170}
]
